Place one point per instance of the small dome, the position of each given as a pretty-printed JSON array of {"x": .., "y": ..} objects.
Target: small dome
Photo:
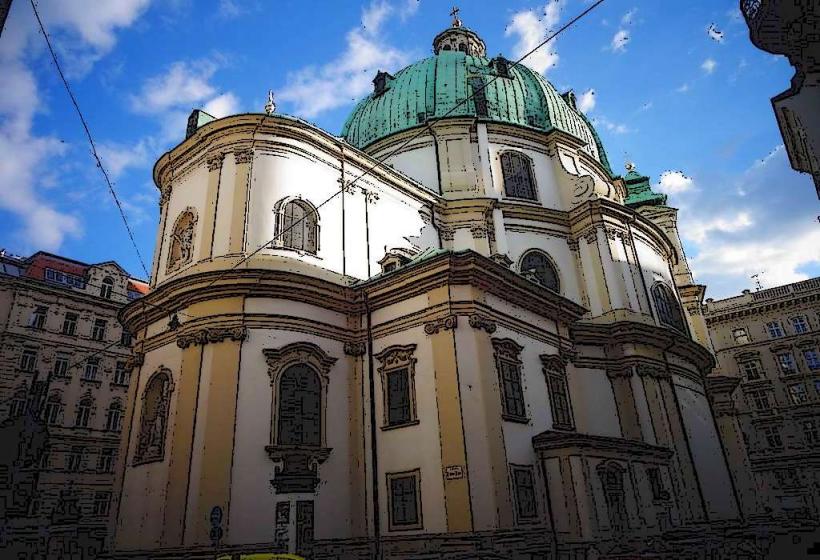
[{"x": 430, "y": 88}]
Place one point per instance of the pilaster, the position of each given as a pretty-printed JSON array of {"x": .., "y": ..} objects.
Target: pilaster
[
  {"x": 214, "y": 163},
  {"x": 239, "y": 207}
]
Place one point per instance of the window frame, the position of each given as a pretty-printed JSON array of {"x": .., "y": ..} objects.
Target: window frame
[
  {"x": 74, "y": 459},
  {"x": 392, "y": 524},
  {"x": 279, "y": 439},
  {"x": 107, "y": 288},
  {"x": 121, "y": 374},
  {"x": 28, "y": 360},
  {"x": 53, "y": 409},
  {"x": 801, "y": 320},
  {"x": 667, "y": 307},
  {"x": 758, "y": 367},
  {"x": 394, "y": 359},
  {"x": 794, "y": 367},
  {"x": 507, "y": 353},
  {"x": 775, "y": 330},
  {"x": 798, "y": 397},
  {"x": 812, "y": 364},
  {"x": 98, "y": 329},
  {"x": 115, "y": 411},
  {"x": 70, "y": 320},
  {"x": 38, "y": 317},
  {"x": 529, "y": 470},
  {"x": 528, "y": 165},
  {"x": 84, "y": 413},
  {"x": 280, "y": 226},
  {"x": 91, "y": 370},
  {"x": 550, "y": 264},
  {"x": 555, "y": 373},
  {"x": 106, "y": 459},
  {"x": 101, "y": 497},
  {"x": 810, "y": 431},
  {"x": 772, "y": 437}
]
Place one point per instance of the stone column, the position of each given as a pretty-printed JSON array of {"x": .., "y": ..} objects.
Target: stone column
[
  {"x": 358, "y": 448},
  {"x": 164, "y": 197}
]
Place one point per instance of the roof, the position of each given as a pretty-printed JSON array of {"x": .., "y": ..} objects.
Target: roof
[
  {"x": 442, "y": 85},
  {"x": 639, "y": 192}
]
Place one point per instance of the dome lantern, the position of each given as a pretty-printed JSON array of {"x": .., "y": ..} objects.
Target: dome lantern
[{"x": 459, "y": 38}]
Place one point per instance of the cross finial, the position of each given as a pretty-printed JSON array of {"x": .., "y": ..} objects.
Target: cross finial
[
  {"x": 270, "y": 106},
  {"x": 454, "y": 12},
  {"x": 630, "y": 166}
]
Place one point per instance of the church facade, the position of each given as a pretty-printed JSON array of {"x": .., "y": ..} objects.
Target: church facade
[{"x": 451, "y": 332}]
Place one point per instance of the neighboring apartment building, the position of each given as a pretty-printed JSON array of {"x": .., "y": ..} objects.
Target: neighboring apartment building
[
  {"x": 64, "y": 375},
  {"x": 789, "y": 28},
  {"x": 766, "y": 395}
]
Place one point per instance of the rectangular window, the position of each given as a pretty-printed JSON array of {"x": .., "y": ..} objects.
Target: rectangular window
[
  {"x": 559, "y": 398},
  {"x": 125, "y": 338},
  {"x": 799, "y": 324},
  {"x": 92, "y": 367},
  {"x": 659, "y": 492},
  {"x": 798, "y": 393},
  {"x": 398, "y": 397},
  {"x": 75, "y": 459},
  {"x": 102, "y": 503},
  {"x": 811, "y": 435},
  {"x": 70, "y": 324},
  {"x": 38, "y": 317},
  {"x": 51, "y": 411},
  {"x": 812, "y": 358},
  {"x": 752, "y": 370},
  {"x": 787, "y": 363},
  {"x": 120, "y": 374},
  {"x": 98, "y": 330},
  {"x": 105, "y": 463},
  {"x": 760, "y": 400},
  {"x": 28, "y": 360},
  {"x": 524, "y": 485},
  {"x": 60, "y": 366},
  {"x": 405, "y": 504},
  {"x": 63, "y": 278},
  {"x": 772, "y": 435},
  {"x": 512, "y": 391},
  {"x": 741, "y": 336},
  {"x": 775, "y": 329}
]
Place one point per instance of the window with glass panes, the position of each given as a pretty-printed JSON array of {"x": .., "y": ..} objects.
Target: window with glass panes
[
  {"x": 83, "y": 416},
  {"x": 799, "y": 324},
  {"x": 120, "y": 374},
  {"x": 92, "y": 366},
  {"x": 105, "y": 463},
  {"x": 404, "y": 500},
  {"x": 38, "y": 317},
  {"x": 516, "y": 171},
  {"x": 811, "y": 434},
  {"x": 70, "y": 324},
  {"x": 60, "y": 366},
  {"x": 759, "y": 400},
  {"x": 775, "y": 329},
  {"x": 102, "y": 503},
  {"x": 752, "y": 369},
  {"x": 75, "y": 459},
  {"x": 113, "y": 419},
  {"x": 512, "y": 392},
  {"x": 798, "y": 393},
  {"x": 812, "y": 358},
  {"x": 787, "y": 363},
  {"x": 398, "y": 397},
  {"x": 28, "y": 360},
  {"x": 98, "y": 330},
  {"x": 52, "y": 409},
  {"x": 524, "y": 485},
  {"x": 556, "y": 375},
  {"x": 772, "y": 437}
]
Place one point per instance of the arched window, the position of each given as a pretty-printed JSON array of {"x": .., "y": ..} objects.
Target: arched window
[
  {"x": 666, "y": 304},
  {"x": 462, "y": 47},
  {"x": 154, "y": 417},
  {"x": 83, "y": 416},
  {"x": 53, "y": 409},
  {"x": 300, "y": 407},
  {"x": 113, "y": 420},
  {"x": 107, "y": 287},
  {"x": 516, "y": 168},
  {"x": 181, "y": 249},
  {"x": 612, "y": 481},
  {"x": 537, "y": 267},
  {"x": 297, "y": 226}
]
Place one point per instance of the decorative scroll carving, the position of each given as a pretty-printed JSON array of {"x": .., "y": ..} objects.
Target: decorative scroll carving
[
  {"x": 572, "y": 244},
  {"x": 298, "y": 467},
  {"x": 478, "y": 322},
  {"x": 445, "y": 323},
  {"x": 164, "y": 194},
  {"x": 479, "y": 232},
  {"x": 567, "y": 355},
  {"x": 134, "y": 360},
  {"x": 552, "y": 362},
  {"x": 355, "y": 348},
  {"x": 615, "y": 373},
  {"x": 210, "y": 335},
  {"x": 446, "y": 233},
  {"x": 645, "y": 370},
  {"x": 591, "y": 236},
  {"x": 243, "y": 156},
  {"x": 214, "y": 162},
  {"x": 502, "y": 259}
]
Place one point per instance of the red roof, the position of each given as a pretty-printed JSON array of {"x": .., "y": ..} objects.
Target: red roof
[
  {"x": 41, "y": 261},
  {"x": 137, "y": 286}
]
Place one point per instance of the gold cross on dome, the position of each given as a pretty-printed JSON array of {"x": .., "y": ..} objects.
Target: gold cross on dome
[{"x": 454, "y": 12}]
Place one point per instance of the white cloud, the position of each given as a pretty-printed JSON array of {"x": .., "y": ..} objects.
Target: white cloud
[
  {"x": 619, "y": 41},
  {"x": 229, "y": 9},
  {"x": 743, "y": 226},
  {"x": 683, "y": 88},
  {"x": 530, "y": 30},
  {"x": 316, "y": 89},
  {"x": 408, "y": 9},
  {"x": 709, "y": 65},
  {"x": 86, "y": 31},
  {"x": 586, "y": 102},
  {"x": 184, "y": 83},
  {"x": 627, "y": 18},
  {"x": 674, "y": 182},
  {"x": 222, "y": 105},
  {"x": 613, "y": 127}
]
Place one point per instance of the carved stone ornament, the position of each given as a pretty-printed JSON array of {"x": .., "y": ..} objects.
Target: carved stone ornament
[
  {"x": 134, "y": 360},
  {"x": 396, "y": 356},
  {"x": 445, "y": 323},
  {"x": 211, "y": 335},
  {"x": 243, "y": 156},
  {"x": 508, "y": 349},
  {"x": 181, "y": 250},
  {"x": 297, "y": 353},
  {"x": 502, "y": 259},
  {"x": 478, "y": 322},
  {"x": 297, "y": 467},
  {"x": 214, "y": 161},
  {"x": 572, "y": 244},
  {"x": 446, "y": 233},
  {"x": 645, "y": 370},
  {"x": 552, "y": 362},
  {"x": 617, "y": 372},
  {"x": 567, "y": 355},
  {"x": 164, "y": 194},
  {"x": 591, "y": 236},
  {"x": 355, "y": 348},
  {"x": 479, "y": 232}
]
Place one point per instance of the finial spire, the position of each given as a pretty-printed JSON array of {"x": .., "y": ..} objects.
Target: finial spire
[
  {"x": 454, "y": 12},
  {"x": 630, "y": 166},
  {"x": 270, "y": 106}
]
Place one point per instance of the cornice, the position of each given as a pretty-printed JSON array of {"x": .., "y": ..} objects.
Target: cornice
[
  {"x": 549, "y": 442},
  {"x": 758, "y": 308}
]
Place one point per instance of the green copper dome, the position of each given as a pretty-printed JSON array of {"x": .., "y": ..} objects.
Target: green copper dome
[
  {"x": 638, "y": 190},
  {"x": 430, "y": 88}
]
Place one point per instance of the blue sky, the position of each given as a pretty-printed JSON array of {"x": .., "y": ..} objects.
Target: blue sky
[{"x": 691, "y": 111}]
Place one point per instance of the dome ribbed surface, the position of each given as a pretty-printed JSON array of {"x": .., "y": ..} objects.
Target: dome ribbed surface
[{"x": 432, "y": 87}]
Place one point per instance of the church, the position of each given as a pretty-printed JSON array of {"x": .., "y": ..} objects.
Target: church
[{"x": 453, "y": 331}]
